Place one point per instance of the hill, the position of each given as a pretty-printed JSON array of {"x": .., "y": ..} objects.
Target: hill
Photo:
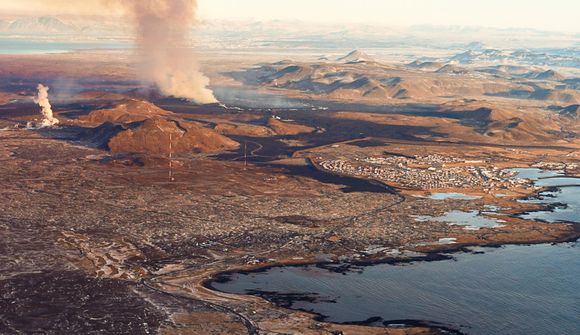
[
  {"x": 453, "y": 69},
  {"x": 152, "y": 136},
  {"x": 126, "y": 111},
  {"x": 504, "y": 123},
  {"x": 565, "y": 96},
  {"x": 273, "y": 127},
  {"x": 137, "y": 126},
  {"x": 243, "y": 129},
  {"x": 377, "y": 83},
  {"x": 287, "y": 128},
  {"x": 508, "y": 71},
  {"x": 548, "y": 75},
  {"x": 337, "y": 82},
  {"x": 519, "y": 56},
  {"x": 356, "y": 56},
  {"x": 426, "y": 66}
]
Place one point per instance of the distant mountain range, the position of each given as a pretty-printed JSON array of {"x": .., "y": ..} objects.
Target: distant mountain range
[
  {"x": 51, "y": 25},
  {"x": 44, "y": 24},
  {"x": 38, "y": 25},
  {"x": 356, "y": 77},
  {"x": 499, "y": 71},
  {"x": 567, "y": 57},
  {"x": 303, "y": 34}
]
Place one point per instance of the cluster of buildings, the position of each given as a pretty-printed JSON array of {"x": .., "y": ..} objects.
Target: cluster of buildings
[
  {"x": 425, "y": 172},
  {"x": 556, "y": 166}
]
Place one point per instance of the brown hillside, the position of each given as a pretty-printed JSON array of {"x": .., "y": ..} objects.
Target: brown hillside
[
  {"x": 566, "y": 97},
  {"x": 274, "y": 127},
  {"x": 127, "y": 111},
  {"x": 286, "y": 128},
  {"x": 241, "y": 129},
  {"x": 508, "y": 124},
  {"x": 152, "y": 136},
  {"x": 379, "y": 83}
]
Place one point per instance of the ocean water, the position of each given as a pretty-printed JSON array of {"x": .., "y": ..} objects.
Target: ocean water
[
  {"x": 23, "y": 46},
  {"x": 513, "y": 290},
  {"x": 565, "y": 203},
  {"x": 534, "y": 173},
  {"x": 562, "y": 194},
  {"x": 516, "y": 290}
]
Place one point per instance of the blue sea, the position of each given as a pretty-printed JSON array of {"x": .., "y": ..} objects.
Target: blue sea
[{"x": 25, "y": 46}]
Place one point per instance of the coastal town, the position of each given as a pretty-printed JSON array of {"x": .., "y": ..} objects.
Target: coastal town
[{"x": 426, "y": 172}]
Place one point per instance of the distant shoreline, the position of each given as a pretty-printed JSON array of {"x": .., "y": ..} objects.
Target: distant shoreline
[{"x": 10, "y": 45}]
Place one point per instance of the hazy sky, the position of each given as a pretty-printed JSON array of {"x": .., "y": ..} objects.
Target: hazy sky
[
  {"x": 561, "y": 15},
  {"x": 542, "y": 14}
]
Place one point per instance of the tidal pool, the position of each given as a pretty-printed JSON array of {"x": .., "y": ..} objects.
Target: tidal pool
[
  {"x": 453, "y": 195},
  {"x": 471, "y": 220},
  {"x": 509, "y": 290}
]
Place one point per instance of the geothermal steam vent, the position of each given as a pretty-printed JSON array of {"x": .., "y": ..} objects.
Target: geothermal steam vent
[{"x": 41, "y": 99}]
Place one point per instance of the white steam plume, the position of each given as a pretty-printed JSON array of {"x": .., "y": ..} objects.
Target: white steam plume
[
  {"x": 163, "y": 29},
  {"x": 42, "y": 100}
]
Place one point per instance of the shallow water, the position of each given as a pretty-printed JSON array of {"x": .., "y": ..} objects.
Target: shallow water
[
  {"x": 453, "y": 195},
  {"x": 471, "y": 220},
  {"x": 510, "y": 290}
]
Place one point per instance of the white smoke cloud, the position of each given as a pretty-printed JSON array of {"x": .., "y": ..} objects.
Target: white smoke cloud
[
  {"x": 42, "y": 100},
  {"x": 163, "y": 35}
]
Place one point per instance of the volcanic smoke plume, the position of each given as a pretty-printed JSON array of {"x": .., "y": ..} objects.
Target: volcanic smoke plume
[
  {"x": 42, "y": 100},
  {"x": 163, "y": 29}
]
